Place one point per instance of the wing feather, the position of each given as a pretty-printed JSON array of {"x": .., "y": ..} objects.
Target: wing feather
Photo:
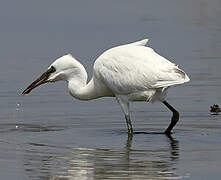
[
  {"x": 140, "y": 43},
  {"x": 134, "y": 67}
]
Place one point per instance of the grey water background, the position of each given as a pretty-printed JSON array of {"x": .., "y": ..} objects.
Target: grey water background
[{"x": 49, "y": 135}]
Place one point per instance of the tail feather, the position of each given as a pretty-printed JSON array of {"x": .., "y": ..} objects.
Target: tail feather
[
  {"x": 182, "y": 73},
  {"x": 174, "y": 77}
]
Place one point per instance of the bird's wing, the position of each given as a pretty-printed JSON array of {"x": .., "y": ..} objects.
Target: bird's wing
[
  {"x": 140, "y": 43},
  {"x": 130, "y": 68}
]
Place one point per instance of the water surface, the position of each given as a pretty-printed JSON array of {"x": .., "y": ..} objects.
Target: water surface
[{"x": 49, "y": 135}]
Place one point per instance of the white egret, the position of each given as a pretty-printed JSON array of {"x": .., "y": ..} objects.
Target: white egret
[{"x": 131, "y": 72}]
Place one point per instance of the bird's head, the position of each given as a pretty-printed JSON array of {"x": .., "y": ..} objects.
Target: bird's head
[{"x": 61, "y": 69}]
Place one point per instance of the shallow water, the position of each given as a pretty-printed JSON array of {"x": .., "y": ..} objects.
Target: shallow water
[{"x": 48, "y": 135}]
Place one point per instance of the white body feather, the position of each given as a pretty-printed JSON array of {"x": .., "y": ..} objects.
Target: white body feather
[{"x": 136, "y": 72}]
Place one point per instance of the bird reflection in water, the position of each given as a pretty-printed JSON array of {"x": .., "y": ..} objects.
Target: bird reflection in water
[{"x": 90, "y": 163}]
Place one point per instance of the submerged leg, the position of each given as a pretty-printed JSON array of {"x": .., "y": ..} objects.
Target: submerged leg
[
  {"x": 129, "y": 125},
  {"x": 124, "y": 103},
  {"x": 174, "y": 118}
]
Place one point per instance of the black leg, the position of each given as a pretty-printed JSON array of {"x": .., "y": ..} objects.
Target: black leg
[
  {"x": 129, "y": 125},
  {"x": 174, "y": 118}
]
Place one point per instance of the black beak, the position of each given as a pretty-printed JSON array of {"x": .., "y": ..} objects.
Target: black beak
[{"x": 41, "y": 80}]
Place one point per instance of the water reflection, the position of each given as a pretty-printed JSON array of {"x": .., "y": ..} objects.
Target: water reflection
[{"x": 129, "y": 162}]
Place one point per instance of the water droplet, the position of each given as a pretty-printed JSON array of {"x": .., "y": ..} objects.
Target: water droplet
[{"x": 18, "y": 105}]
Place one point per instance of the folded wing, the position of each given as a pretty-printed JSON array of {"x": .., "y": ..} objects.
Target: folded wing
[{"x": 134, "y": 67}]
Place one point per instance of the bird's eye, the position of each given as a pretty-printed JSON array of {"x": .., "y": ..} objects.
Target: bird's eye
[{"x": 52, "y": 69}]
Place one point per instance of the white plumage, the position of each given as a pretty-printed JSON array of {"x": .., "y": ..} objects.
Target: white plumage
[
  {"x": 134, "y": 69},
  {"x": 131, "y": 72}
]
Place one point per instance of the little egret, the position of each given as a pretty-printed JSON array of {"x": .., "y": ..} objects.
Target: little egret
[{"x": 131, "y": 72}]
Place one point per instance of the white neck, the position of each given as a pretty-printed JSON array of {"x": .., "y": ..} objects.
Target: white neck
[
  {"x": 78, "y": 87},
  {"x": 82, "y": 92}
]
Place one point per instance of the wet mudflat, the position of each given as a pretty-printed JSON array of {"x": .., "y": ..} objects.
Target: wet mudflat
[{"x": 48, "y": 135}]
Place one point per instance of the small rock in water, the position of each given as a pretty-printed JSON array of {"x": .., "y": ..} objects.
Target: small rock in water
[{"x": 215, "y": 109}]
